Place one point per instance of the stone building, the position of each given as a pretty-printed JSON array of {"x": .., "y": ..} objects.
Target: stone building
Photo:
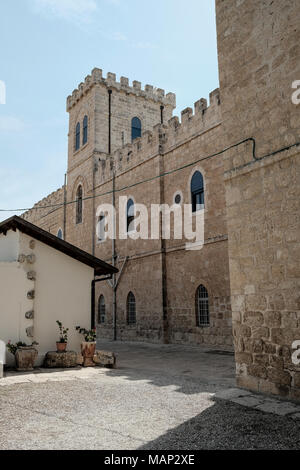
[
  {"x": 259, "y": 60},
  {"x": 121, "y": 136},
  {"x": 245, "y": 147}
]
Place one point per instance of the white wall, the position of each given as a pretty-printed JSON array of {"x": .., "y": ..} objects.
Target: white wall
[
  {"x": 13, "y": 304},
  {"x": 9, "y": 246},
  {"x": 63, "y": 292}
]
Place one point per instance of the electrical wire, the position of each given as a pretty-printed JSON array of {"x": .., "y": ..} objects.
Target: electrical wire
[{"x": 162, "y": 175}]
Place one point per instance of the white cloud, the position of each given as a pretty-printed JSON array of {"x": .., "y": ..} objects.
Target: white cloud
[
  {"x": 11, "y": 124},
  {"x": 76, "y": 11}
]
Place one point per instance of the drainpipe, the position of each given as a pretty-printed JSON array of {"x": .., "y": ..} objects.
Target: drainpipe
[
  {"x": 65, "y": 206},
  {"x": 93, "y": 303},
  {"x": 94, "y": 169},
  {"x": 109, "y": 121},
  {"x": 164, "y": 291},
  {"x": 113, "y": 248},
  {"x": 114, "y": 261}
]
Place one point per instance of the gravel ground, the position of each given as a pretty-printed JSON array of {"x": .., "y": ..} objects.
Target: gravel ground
[{"x": 160, "y": 397}]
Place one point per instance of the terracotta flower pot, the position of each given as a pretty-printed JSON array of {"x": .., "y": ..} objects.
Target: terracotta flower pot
[
  {"x": 61, "y": 347},
  {"x": 88, "y": 352},
  {"x": 25, "y": 358}
]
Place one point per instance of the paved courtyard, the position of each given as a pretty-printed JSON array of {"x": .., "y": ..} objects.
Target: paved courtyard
[{"x": 159, "y": 397}]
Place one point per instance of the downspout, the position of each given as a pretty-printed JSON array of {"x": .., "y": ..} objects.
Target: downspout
[
  {"x": 114, "y": 260},
  {"x": 113, "y": 248},
  {"x": 109, "y": 121},
  {"x": 65, "y": 206},
  {"x": 163, "y": 253},
  {"x": 94, "y": 169},
  {"x": 93, "y": 303}
]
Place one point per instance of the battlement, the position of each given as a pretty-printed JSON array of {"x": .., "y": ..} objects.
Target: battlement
[
  {"x": 96, "y": 77},
  {"x": 164, "y": 137},
  {"x": 41, "y": 208}
]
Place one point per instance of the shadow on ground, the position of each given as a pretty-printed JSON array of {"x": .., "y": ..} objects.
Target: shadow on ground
[{"x": 229, "y": 426}]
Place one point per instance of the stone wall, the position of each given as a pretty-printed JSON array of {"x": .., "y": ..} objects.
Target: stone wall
[
  {"x": 48, "y": 213},
  {"x": 185, "y": 145},
  {"x": 163, "y": 276},
  {"x": 258, "y": 45}
]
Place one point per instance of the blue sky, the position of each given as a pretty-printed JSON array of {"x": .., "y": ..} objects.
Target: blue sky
[{"x": 47, "y": 47}]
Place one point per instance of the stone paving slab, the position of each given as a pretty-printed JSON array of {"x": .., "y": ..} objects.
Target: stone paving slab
[{"x": 260, "y": 402}]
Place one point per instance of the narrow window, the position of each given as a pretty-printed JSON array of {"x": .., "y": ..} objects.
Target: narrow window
[
  {"x": 60, "y": 234},
  {"x": 101, "y": 228},
  {"x": 131, "y": 309},
  {"x": 79, "y": 205},
  {"x": 130, "y": 216},
  {"x": 197, "y": 191},
  {"x": 101, "y": 309},
  {"x": 77, "y": 138},
  {"x": 85, "y": 130},
  {"x": 136, "y": 128},
  {"x": 202, "y": 307}
]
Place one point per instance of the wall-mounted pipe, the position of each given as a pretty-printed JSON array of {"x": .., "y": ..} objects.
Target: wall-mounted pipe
[{"x": 93, "y": 303}]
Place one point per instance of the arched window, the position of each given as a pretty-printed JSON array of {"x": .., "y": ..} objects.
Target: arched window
[
  {"x": 60, "y": 234},
  {"x": 136, "y": 128},
  {"x": 79, "y": 205},
  {"x": 77, "y": 138},
  {"x": 101, "y": 309},
  {"x": 85, "y": 130},
  {"x": 131, "y": 309},
  {"x": 197, "y": 191},
  {"x": 130, "y": 216},
  {"x": 101, "y": 228},
  {"x": 202, "y": 306}
]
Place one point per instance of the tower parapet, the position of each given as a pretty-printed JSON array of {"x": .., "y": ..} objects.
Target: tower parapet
[
  {"x": 149, "y": 92},
  {"x": 163, "y": 137}
]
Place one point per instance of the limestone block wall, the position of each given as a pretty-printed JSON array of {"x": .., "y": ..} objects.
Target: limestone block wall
[
  {"x": 163, "y": 276},
  {"x": 168, "y": 147},
  {"x": 91, "y": 98},
  {"x": 258, "y": 45},
  {"x": 263, "y": 220},
  {"x": 48, "y": 213}
]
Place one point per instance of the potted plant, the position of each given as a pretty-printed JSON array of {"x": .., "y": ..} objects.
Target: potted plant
[
  {"x": 88, "y": 346},
  {"x": 25, "y": 355},
  {"x": 61, "y": 345}
]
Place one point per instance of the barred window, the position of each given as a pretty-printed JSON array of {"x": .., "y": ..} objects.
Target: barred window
[
  {"x": 130, "y": 216},
  {"x": 77, "y": 136},
  {"x": 136, "y": 128},
  {"x": 85, "y": 130},
  {"x": 197, "y": 191},
  {"x": 101, "y": 309},
  {"x": 131, "y": 309},
  {"x": 79, "y": 205},
  {"x": 202, "y": 306}
]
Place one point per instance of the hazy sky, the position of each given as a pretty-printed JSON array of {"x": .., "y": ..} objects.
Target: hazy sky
[{"x": 47, "y": 47}]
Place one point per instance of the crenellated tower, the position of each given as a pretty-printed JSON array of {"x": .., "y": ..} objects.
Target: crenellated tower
[{"x": 105, "y": 115}]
